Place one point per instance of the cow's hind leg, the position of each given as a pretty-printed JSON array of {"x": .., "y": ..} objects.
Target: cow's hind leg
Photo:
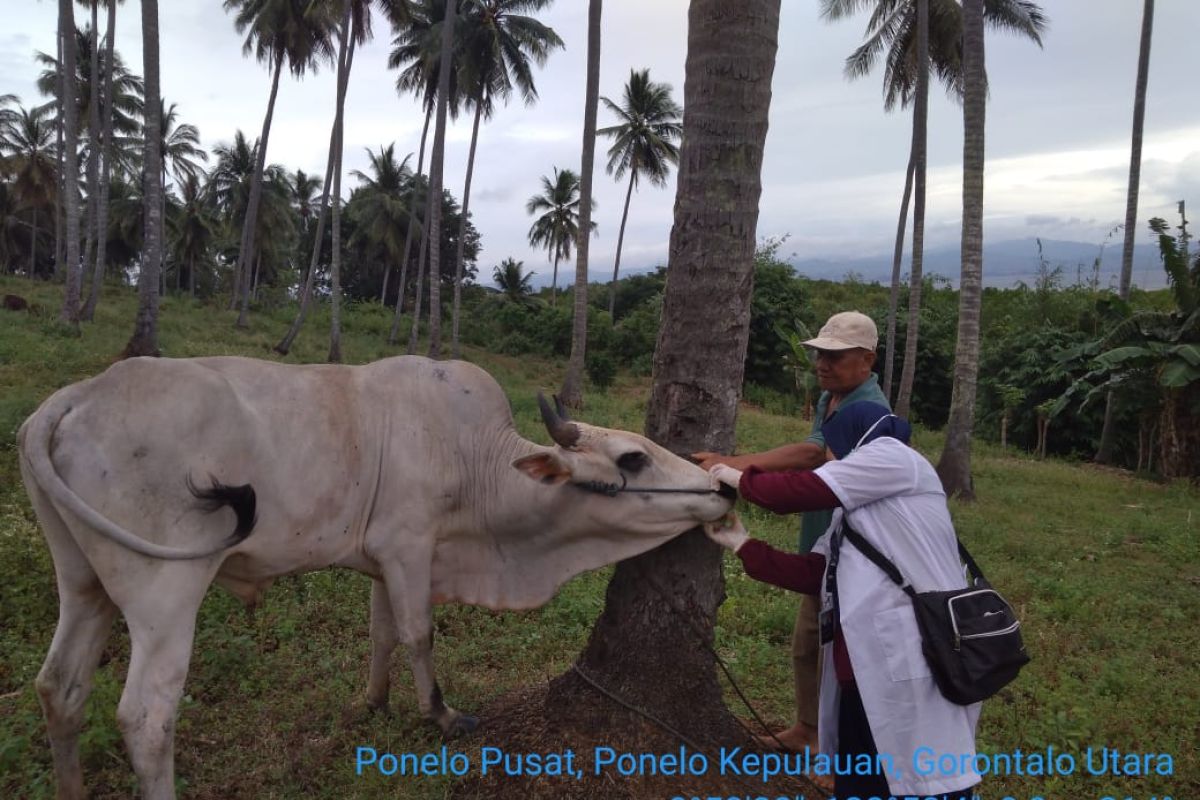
[
  {"x": 384, "y": 638},
  {"x": 161, "y": 631},
  {"x": 413, "y": 615},
  {"x": 85, "y": 615}
]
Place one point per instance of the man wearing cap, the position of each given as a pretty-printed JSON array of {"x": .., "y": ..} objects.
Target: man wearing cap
[{"x": 845, "y": 354}]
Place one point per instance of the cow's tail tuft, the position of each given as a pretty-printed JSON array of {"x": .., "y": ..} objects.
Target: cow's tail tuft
[{"x": 241, "y": 499}]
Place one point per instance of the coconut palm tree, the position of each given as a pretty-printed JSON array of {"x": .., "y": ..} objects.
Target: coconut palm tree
[
  {"x": 571, "y": 392},
  {"x": 557, "y": 229},
  {"x": 497, "y": 44},
  {"x": 892, "y": 38},
  {"x": 193, "y": 229},
  {"x": 303, "y": 194},
  {"x": 513, "y": 281},
  {"x": 144, "y": 341},
  {"x": 70, "y": 163},
  {"x": 425, "y": 49},
  {"x": 954, "y": 467},
  {"x": 437, "y": 163},
  {"x": 380, "y": 208},
  {"x": 1108, "y": 432},
  {"x": 644, "y": 144},
  {"x": 697, "y": 376},
  {"x": 277, "y": 31},
  {"x": 107, "y": 155},
  {"x": 27, "y": 153}
]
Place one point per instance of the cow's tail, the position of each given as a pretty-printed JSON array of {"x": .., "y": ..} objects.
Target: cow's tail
[{"x": 34, "y": 440}]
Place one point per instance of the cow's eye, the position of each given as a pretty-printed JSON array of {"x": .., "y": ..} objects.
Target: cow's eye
[{"x": 633, "y": 462}]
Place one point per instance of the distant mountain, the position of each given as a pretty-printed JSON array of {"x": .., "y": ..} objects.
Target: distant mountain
[{"x": 1004, "y": 264}]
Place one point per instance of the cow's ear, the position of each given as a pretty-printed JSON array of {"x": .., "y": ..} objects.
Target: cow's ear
[{"x": 544, "y": 467}]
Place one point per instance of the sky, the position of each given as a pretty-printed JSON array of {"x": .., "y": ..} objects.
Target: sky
[{"x": 1058, "y": 124}]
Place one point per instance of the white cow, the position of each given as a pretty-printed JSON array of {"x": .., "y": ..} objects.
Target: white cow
[{"x": 407, "y": 469}]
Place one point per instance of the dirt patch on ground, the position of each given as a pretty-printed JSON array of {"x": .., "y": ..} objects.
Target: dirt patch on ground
[{"x": 519, "y": 723}]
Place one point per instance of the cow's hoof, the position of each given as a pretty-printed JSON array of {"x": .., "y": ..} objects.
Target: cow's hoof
[{"x": 461, "y": 726}]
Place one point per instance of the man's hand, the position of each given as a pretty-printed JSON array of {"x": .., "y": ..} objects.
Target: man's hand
[
  {"x": 727, "y": 532},
  {"x": 708, "y": 460},
  {"x": 726, "y": 475}
]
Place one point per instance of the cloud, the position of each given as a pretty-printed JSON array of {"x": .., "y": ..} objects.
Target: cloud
[{"x": 1039, "y": 220}]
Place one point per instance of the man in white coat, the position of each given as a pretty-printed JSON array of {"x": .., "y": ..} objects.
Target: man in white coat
[{"x": 882, "y": 719}]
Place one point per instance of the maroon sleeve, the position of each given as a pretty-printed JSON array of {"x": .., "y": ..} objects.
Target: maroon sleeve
[
  {"x": 800, "y": 572},
  {"x": 787, "y": 492}
]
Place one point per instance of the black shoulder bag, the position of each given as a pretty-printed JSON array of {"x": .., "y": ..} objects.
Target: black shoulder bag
[{"x": 970, "y": 637}]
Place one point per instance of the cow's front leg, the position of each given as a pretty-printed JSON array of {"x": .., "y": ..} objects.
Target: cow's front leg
[
  {"x": 384, "y": 638},
  {"x": 413, "y": 615}
]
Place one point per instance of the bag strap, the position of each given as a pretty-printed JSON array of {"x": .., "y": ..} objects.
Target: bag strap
[{"x": 884, "y": 563}]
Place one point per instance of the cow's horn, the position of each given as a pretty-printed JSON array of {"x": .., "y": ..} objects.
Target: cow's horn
[
  {"x": 561, "y": 409},
  {"x": 563, "y": 432}
]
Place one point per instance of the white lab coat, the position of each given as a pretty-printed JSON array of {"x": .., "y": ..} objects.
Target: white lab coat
[{"x": 893, "y": 497}]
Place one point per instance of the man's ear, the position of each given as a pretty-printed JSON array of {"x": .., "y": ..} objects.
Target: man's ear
[{"x": 545, "y": 467}]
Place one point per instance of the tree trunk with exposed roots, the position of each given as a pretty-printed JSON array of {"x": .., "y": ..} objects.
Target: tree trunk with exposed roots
[{"x": 641, "y": 648}]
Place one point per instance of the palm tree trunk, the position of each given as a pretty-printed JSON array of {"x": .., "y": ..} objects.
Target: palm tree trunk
[
  {"x": 954, "y": 468},
  {"x": 698, "y": 370},
  {"x": 89, "y": 308},
  {"x": 408, "y": 237},
  {"x": 462, "y": 228},
  {"x": 144, "y": 341},
  {"x": 1108, "y": 433},
  {"x": 437, "y": 163},
  {"x": 894, "y": 295},
  {"x": 249, "y": 229},
  {"x": 335, "y": 293},
  {"x": 289, "y": 338},
  {"x": 33, "y": 247},
  {"x": 554, "y": 279},
  {"x": 66, "y": 21},
  {"x": 60, "y": 184},
  {"x": 920, "y": 127},
  {"x": 192, "y": 278},
  {"x": 612, "y": 291},
  {"x": 93, "y": 170},
  {"x": 414, "y": 334},
  {"x": 571, "y": 393}
]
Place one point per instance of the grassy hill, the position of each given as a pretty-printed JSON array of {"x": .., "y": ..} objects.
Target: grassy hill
[{"x": 1103, "y": 568}]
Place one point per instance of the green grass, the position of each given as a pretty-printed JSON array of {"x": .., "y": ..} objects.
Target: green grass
[{"x": 1103, "y": 568}]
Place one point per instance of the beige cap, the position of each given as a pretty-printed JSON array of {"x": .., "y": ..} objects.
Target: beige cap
[{"x": 846, "y": 330}]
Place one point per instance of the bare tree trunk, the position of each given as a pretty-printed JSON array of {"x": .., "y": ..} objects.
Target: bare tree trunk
[
  {"x": 571, "y": 393},
  {"x": 93, "y": 169},
  {"x": 612, "y": 291},
  {"x": 144, "y": 341},
  {"x": 66, "y": 30},
  {"x": 954, "y": 467},
  {"x": 413, "y": 206},
  {"x": 89, "y": 308},
  {"x": 554, "y": 281},
  {"x": 437, "y": 163},
  {"x": 638, "y": 645},
  {"x": 246, "y": 251},
  {"x": 1004, "y": 431},
  {"x": 60, "y": 181},
  {"x": 894, "y": 295},
  {"x": 289, "y": 338},
  {"x": 415, "y": 333},
  {"x": 33, "y": 247},
  {"x": 1108, "y": 433},
  {"x": 920, "y": 123},
  {"x": 335, "y": 292},
  {"x": 462, "y": 228}
]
